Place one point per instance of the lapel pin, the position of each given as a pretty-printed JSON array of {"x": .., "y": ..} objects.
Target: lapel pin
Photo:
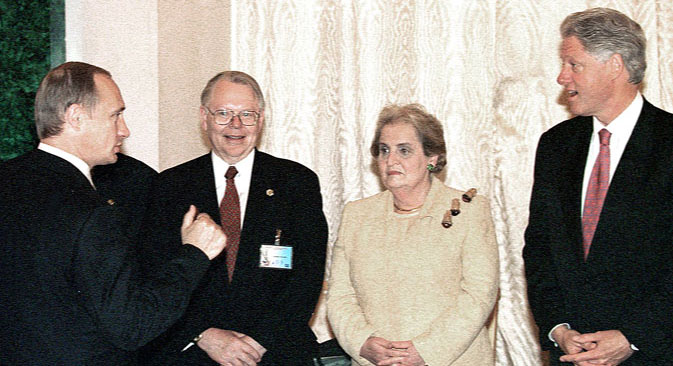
[
  {"x": 269, "y": 192},
  {"x": 469, "y": 195},
  {"x": 111, "y": 202}
]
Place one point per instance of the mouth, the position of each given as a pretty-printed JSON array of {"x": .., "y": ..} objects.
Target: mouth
[
  {"x": 234, "y": 137},
  {"x": 393, "y": 172},
  {"x": 572, "y": 93}
]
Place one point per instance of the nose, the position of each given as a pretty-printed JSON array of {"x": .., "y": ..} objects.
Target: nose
[
  {"x": 563, "y": 77},
  {"x": 236, "y": 122},
  {"x": 122, "y": 129},
  {"x": 391, "y": 159}
]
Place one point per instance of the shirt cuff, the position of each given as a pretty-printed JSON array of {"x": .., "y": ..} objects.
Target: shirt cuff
[{"x": 553, "y": 329}]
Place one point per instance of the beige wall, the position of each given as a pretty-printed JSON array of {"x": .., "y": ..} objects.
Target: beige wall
[
  {"x": 161, "y": 53},
  {"x": 193, "y": 46}
]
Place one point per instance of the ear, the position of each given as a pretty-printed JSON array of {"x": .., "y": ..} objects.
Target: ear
[
  {"x": 616, "y": 65},
  {"x": 203, "y": 117},
  {"x": 74, "y": 115},
  {"x": 433, "y": 159},
  {"x": 260, "y": 122}
]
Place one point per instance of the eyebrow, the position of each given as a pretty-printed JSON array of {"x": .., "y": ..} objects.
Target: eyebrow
[
  {"x": 402, "y": 144},
  {"x": 118, "y": 110}
]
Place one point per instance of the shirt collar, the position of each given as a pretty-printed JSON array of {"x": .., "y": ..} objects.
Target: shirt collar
[
  {"x": 72, "y": 159},
  {"x": 623, "y": 125},
  {"x": 244, "y": 168}
]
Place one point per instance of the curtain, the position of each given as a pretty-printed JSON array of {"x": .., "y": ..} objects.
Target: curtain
[{"x": 486, "y": 68}]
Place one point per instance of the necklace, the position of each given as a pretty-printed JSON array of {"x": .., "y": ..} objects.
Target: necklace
[{"x": 406, "y": 210}]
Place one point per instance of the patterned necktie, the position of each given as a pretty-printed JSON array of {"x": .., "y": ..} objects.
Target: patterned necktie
[
  {"x": 598, "y": 187},
  {"x": 230, "y": 218}
]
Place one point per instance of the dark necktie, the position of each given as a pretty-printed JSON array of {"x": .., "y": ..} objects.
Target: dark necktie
[
  {"x": 230, "y": 218},
  {"x": 598, "y": 187}
]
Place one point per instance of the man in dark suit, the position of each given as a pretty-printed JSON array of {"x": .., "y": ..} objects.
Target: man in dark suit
[
  {"x": 247, "y": 310},
  {"x": 599, "y": 251},
  {"x": 71, "y": 294}
]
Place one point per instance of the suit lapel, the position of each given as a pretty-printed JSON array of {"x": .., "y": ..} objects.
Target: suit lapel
[
  {"x": 258, "y": 219},
  {"x": 631, "y": 175},
  {"x": 204, "y": 194},
  {"x": 571, "y": 189}
]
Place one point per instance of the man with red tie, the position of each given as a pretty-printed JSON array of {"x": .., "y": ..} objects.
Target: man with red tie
[
  {"x": 254, "y": 304},
  {"x": 599, "y": 243}
]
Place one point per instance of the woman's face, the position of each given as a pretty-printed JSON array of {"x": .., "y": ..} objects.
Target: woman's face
[{"x": 401, "y": 161}]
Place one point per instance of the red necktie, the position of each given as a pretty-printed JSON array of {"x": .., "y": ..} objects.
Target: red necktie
[
  {"x": 598, "y": 187},
  {"x": 230, "y": 218}
]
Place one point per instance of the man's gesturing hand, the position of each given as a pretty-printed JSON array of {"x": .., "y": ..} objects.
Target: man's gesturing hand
[{"x": 202, "y": 232}]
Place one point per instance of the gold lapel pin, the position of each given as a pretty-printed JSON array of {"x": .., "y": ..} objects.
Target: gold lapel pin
[
  {"x": 269, "y": 192},
  {"x": 111, "y": 202}
]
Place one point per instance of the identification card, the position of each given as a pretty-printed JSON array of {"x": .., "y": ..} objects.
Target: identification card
[{"x": 275, "y": 256}]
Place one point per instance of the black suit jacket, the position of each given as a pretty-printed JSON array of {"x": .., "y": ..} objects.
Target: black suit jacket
[
  {"x": 127, "y": 183},
  {"x": 69, "y": 278},
  {"x": 626, "y": 282},
  {"x": 270, "y": 305}
]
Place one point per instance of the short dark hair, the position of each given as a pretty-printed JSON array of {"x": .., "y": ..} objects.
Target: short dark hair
[
  {"x": 67, "y": 84},
  {"x": 236, "y": 77},
  {"x": 604, "y": 32},
  {"x": 428, "y": 129}
]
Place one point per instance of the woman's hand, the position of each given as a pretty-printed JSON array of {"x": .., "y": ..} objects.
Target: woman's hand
[
  {"x": 380, "y": 351},
  {"x": 413, "y": 358}
]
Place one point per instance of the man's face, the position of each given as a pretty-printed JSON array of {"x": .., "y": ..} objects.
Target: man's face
[
  {"x": 103, "y": 128},
  {"x": 587, "y": 81},
  {"x": 234, "y": 141}
]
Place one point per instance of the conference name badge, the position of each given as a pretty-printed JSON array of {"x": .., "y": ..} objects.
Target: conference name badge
[{"x": 275, "y": 256}]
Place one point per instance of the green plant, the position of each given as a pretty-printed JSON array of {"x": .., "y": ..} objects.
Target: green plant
[{"x": 24, "y": 56}]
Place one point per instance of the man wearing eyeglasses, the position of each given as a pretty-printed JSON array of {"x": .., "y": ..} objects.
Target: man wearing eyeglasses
[{"x": 254, "y": 304}]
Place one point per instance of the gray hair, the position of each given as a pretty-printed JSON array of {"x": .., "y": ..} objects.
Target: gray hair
[
  {"x": 604, "y": 32},
  {"x": 236, "y": 77}
]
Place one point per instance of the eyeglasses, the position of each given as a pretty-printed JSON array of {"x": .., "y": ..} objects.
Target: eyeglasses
[{"x": 224, "y": 117}]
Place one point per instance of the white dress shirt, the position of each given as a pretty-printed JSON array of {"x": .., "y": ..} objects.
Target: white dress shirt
[
  {"x": 620, "y": 129},
  {"x": 72, "y": 159},
  {"x": 241, "y": 180}
]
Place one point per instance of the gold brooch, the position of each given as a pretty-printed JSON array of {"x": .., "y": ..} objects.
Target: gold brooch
[{"x": 469, "y": 195}]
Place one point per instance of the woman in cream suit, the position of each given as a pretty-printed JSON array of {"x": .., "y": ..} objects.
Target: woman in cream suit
[{"x": 413, "y": 283}]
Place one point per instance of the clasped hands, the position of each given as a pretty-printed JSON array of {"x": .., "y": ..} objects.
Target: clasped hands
[
  {"x": 382, "y": 352},
  {"x": 231, "y": 348},
  {"x": 603, "y": 348}
]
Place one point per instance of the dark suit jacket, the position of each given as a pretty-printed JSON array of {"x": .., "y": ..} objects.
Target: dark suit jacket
[
  {"x": 626, "y": 282},
  {"x": 270, "y": 305},
  {"x": 127, "y": 183},
  {"x": 68, "y": 275}
]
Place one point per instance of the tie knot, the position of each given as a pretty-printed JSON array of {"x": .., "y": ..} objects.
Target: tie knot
[
  {"x": 231, "y": 172},
  {"x": 604, "y": 136}
]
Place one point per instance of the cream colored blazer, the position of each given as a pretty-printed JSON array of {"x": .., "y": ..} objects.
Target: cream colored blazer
[{"x": 406, "y": 277}]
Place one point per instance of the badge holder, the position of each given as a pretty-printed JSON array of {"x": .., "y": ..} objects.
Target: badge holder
[{"x": 275, "y": 256}]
